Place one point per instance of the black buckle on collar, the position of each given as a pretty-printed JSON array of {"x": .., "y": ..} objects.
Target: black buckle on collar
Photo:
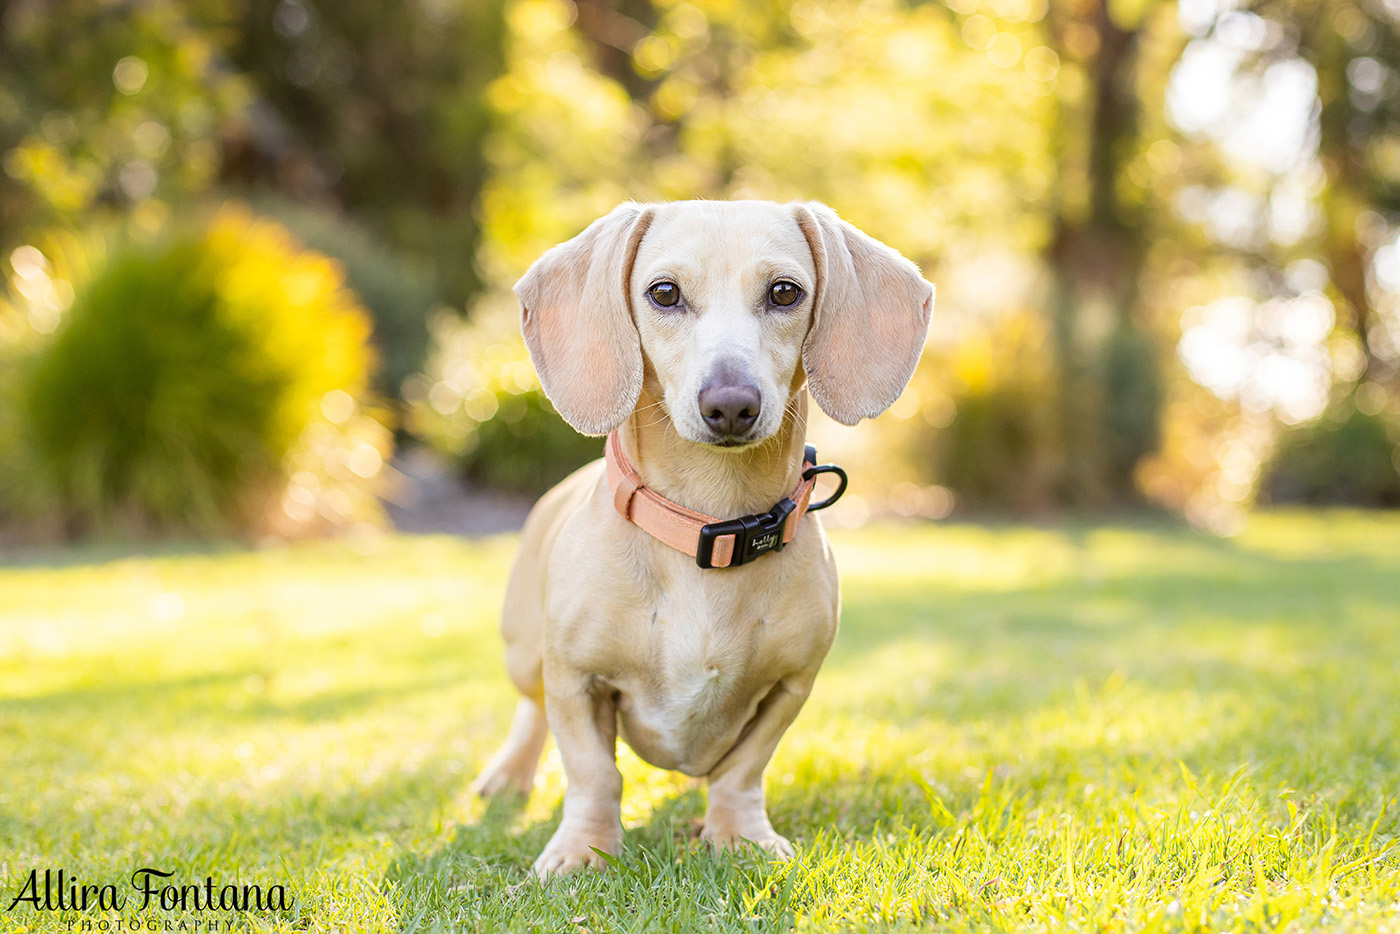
[{"x": 754, "y": 536}]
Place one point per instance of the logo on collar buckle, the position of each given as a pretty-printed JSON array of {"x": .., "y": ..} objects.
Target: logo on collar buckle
[{"x": 754, "y": 536}]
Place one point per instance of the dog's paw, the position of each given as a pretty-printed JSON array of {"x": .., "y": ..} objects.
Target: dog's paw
[
  {"x": 569, "y": 852},
  {"x": 774, "y": 843},
  {"x": 778, "y": 846},
  {"x": 503, "y": 776}
]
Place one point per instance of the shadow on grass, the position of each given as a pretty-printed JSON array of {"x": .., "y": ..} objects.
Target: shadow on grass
[
  {"x": 1035, "y": 625},
  {"x": 58, "y": 557},
  {"x": 216, "y": 697}
]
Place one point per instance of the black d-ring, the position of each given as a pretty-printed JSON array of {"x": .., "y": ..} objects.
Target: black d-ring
[{"x": 812, "y": 471}]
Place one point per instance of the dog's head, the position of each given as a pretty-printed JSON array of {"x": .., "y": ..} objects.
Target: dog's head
[{"x": 727, "y": 306}]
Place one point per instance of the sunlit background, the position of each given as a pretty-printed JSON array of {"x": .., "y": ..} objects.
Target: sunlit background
[
  {"x": 255, "y": 271},
  {"x": 258, "y": 253}
]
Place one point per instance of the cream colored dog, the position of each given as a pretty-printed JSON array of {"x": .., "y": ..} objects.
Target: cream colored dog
[{"x": 692, "y": 331}]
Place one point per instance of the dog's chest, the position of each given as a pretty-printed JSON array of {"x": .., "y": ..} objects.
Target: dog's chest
[
  {"x": 690, "y": 654},
  {"x": 695, "y": 668},
  {"x": 689, "y": 686}
]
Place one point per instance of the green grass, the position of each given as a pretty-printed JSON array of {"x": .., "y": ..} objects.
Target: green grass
[{"x": 1089, "y": 728}]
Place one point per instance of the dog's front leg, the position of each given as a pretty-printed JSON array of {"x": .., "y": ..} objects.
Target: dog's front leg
[
  {"x": 583, "y": 717},
  {"x": 737, "y": 811}
]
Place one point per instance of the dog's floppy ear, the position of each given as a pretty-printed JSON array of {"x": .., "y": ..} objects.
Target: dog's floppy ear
[
  {"x": 576, "y": 313},
  {"x": 869, "y": 319}
]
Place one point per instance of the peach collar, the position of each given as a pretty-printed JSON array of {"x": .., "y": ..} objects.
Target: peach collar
[{"x": 715, "y": 543}]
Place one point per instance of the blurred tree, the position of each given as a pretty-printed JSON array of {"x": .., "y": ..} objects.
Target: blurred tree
[
  {"x": 1110, "y": 395},
  {"x": 1025, "y": 152},
  {"x": 105, "y": 108},
  {"x": 1354, "y": 48},
  {"x": 612, "y": 30},
  {"x": 1300, "y": 201},
  {"x": 377, "y": 109},
  {"x": 880, "y": 109},
  {"x": 381, "y": 107},
  {"x": 128, "y": 112}
]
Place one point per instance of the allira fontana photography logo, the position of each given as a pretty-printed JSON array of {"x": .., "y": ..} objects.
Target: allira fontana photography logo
[{"x": 148, "y": 890}]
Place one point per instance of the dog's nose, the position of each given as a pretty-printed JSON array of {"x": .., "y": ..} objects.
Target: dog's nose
[{"x": 729, "y": 408}]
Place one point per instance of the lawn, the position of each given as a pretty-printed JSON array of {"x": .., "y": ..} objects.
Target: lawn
[{"x": 1128, "y": 727}]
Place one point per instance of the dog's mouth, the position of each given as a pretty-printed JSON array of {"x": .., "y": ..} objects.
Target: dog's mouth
[
  {"x": 734, "y": 443},
  {"x": 719, "y": 442}
]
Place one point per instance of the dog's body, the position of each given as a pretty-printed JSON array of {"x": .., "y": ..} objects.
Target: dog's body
[{"x": 676, "y": 326}]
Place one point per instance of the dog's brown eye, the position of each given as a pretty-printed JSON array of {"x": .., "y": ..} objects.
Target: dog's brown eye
[
  {"x": 665, "y": 294},
  {"x": 784, "y": 293}
]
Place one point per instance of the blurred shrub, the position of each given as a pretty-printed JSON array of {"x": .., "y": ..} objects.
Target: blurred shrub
[
  {"x": 12, "y": 444},
  {"x": 1206, "y": 467},
  {"x": 398, "y": 293},
  {"x": 1346, "y": 457},
  {"x": 207, "y": 383},
  {"x": 480, "y": 403},
  {"x": 1132, "y": 401},
  {"x": 988, "y": 431}
]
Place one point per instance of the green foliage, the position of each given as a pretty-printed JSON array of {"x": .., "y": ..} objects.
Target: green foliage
[
  {"x": 139, "y": 107},
  {"x": 469, "y": 137},
  {"x": 995, "y": 445},
  {"x": 1066, "y": 729},
  {"x": 1346, "y": 457},
  {"x": 107, "y": 110},
  {"x": 924, "y": 141},
  {"x": 399, "y": 294},
  {"x": 379, "y": 106},
  {"x": 1132, "y": 402},
  {"x": 880, "y": 109},
  {"x": 203, "y": 383},
  {"x": 994, "y": 448},
  {"x": 481, "y": 404},
  {"x": 13, "y": 447},
  {"x": 526, "y": 445}
]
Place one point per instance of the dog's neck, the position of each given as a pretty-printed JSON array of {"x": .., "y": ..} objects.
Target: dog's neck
[{"x": 721, "y": 483}]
